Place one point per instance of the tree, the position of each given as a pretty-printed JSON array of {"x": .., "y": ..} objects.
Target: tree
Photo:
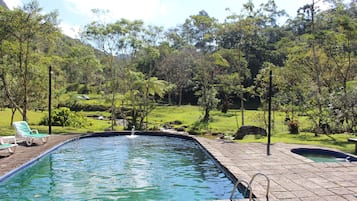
[
  {"x": 81, "y": 65},
  {"x": 199, "y": 30},
  {"x": 141, "y": 97},
  {"x": 177, "y": 68},
  {"x": 309, "y": 10},
  {"x": 28, "y": 38},
  {"x": 118, "y": 39},
  {"x": 205, "y": 88},
  {"x": 323, "y": 55}
]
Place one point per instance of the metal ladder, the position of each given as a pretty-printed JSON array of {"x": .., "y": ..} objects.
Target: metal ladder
[{"x": 249, "y": 187}]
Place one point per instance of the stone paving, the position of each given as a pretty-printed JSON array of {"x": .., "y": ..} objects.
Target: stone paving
[{"x": 292, "y": 177}]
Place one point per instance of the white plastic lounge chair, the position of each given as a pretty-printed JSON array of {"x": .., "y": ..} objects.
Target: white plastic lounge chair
[
  {"x": 24, "y": 130},
  {"x": 9, "y": 146}
]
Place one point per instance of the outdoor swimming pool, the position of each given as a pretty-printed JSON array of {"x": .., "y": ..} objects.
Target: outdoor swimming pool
[{"x": 122, "y": 168}]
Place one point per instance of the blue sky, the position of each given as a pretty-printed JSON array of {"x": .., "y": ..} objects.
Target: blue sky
[{"x": 74, "y": 14}]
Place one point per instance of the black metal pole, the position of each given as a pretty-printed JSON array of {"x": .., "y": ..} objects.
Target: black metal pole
[
  {"x": 49, "y": 99},
  {"x": 269, "y": 109}
]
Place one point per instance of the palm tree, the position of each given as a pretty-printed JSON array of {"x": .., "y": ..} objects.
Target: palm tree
[{"x": 141, "y": 95}]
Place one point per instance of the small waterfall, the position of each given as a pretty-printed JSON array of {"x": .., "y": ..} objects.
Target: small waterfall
[
  {"x": 133, "y": 130},
  {"x": 132, "y": 134}
]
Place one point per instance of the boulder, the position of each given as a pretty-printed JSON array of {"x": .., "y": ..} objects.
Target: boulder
[{"x": 245, "y": 130}]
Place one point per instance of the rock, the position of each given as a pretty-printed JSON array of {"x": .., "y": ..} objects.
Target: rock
[{"x": 245, "y": 130}]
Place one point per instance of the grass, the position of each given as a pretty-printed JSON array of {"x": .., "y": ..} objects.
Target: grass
[
  {"x": 34, "y": 119},
  {"x": 229, "y": 123},
  {"x": 189, "y": 116}
]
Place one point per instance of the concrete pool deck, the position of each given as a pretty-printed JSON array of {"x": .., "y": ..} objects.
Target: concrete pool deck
[{"x": 292, "y": 177}]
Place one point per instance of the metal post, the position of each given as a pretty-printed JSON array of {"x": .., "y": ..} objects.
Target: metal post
[
  {"x": 269, "y": 109},
  {"x": 49, "y": 99}
]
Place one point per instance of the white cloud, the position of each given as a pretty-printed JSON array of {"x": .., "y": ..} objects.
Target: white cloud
[
  {"x": 320, "y": 4},
  {"x": 70, "y": 30},
  {"x": 146, "y": 10},
  {"x": 13, "y": 3}
]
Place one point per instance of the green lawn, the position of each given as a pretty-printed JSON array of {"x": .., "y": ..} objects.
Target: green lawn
[
  {"x": 229, "y": 123},
  {"x": 188, "y": 117},
  {"x": 34, "y": 119}
]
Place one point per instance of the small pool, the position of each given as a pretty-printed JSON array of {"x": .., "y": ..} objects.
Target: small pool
[
  {"x": 122, "y": 168},
  {"x": 323, "y": 155}
]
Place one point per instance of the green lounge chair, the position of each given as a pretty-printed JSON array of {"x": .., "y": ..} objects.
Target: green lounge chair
[
  {"x": 23, "y": 130},
  {"x": 10, "y": 147}
]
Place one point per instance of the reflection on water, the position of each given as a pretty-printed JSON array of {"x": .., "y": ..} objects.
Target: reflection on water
[{"x": 121, "y": 168}]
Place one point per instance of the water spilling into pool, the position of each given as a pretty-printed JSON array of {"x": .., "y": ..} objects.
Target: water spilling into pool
[
  {"x": 121, "y": 168},
  {"x": 132, "y": 133}
]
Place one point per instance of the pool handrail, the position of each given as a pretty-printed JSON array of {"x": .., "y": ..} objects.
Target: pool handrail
[{"x": 249, "y": 187}]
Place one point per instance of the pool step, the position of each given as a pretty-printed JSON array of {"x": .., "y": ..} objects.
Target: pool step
[{"x": 249, "y": 187}]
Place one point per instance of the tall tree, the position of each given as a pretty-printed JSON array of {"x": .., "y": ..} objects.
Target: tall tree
[
  {"x": 177, "y": 68},
  {"x": 119, "y": 39},
  {"x": 141, "y": 96},
  {"x": 28, "y": 34},
  {"x": 200, "y": 30}
]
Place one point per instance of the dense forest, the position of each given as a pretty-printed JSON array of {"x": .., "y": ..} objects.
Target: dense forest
[{"x": 202, "y": 61}]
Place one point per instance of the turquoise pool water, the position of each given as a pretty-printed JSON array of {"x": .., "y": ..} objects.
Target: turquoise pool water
[
  {"x": 320, "y": 158},
  {"x": 324, "y": 155},
  {"x": 121, "y": 168}
]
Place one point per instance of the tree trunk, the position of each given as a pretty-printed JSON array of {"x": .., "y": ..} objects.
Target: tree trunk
[
  {"x": 13, "y": 110},
  {"x": 8, "y": 94},
  {"x": 206, "y": 116},
  {"x": 317, "y": 71},
  {"x": 113, "y": 111},
  {"x": 180, "y": 97},
  {"x": 225, "y": 104},
  {"x": 169, "y": 98},
  {"x": 242, "y": 109}
]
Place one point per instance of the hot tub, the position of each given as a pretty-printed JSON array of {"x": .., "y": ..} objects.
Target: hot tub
[{"x": 324, "y": 155}]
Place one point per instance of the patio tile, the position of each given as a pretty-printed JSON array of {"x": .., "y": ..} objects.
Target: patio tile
[
  {"x": 340, "y": 191},
  {"x": 292, "y": 177}
]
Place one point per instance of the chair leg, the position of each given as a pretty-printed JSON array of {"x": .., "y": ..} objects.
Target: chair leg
[
  {"x": 12, "y": 149},
  {"x": 29, "y": 141},
  {"x": 44, "y": 140}
]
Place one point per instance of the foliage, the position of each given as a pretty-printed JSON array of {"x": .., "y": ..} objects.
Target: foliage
[
  {"x": 342, "y": 110},
  {"x": 131, "y": 67},
  {"x": 27, "y": 39},
  {"x": 65, "y": 118},
  {"x": 293, "y": 127},
  {"x": 207, "y": 99},
  {"x": 187, "y": 116}
]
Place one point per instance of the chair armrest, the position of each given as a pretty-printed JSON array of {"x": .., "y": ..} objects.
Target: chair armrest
[
  {"x": 8, "y": 139},
  {"x": 34, "y": 131}
]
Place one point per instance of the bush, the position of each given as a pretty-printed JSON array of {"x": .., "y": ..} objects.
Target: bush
[
  {"x": 293, "y": 127},
  {"x": 64, "y": 117},
  {"x": 198, "y": 128},
  {"x": 86, "y": 107}
]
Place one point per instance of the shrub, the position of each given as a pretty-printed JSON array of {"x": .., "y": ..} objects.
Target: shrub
[
  {"x": 293, "y": 127},
  {"x": 85, "y": 107},
  {"x": 65, "y": 117}
]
